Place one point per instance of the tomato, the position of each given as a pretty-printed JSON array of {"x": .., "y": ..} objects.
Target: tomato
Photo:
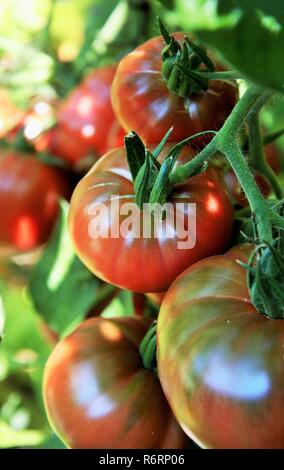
[
  {"x": 98, "y": 394},
  {"x": 143, "y": 103},
  {"x": 103, "y": 300},
  {"x": 86, "y": 123},
  {"x": 237, "y": 194},
  {"x": 129, "y": 260},
  {"x": 29, "y": 194},
  {"x": 220, "y": 362}
]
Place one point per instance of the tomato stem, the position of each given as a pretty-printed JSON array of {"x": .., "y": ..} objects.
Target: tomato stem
[
  {"x": 225, "y": 142},
  {"x": 256, "y": 152}
]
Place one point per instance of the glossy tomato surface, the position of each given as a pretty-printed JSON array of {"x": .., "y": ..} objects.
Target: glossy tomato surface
[
  {"x": 143, "y": 103},
  {"x": 98, "y": 394},
  {"x": 86, "y": 123},
  {"x": 129, "y": 259},
  {"x": 29, "y": 195},
  {"x": 220, "y": 362}
]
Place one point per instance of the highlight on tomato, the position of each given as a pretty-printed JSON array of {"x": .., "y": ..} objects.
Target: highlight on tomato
[{"x": 98, "y": 394}]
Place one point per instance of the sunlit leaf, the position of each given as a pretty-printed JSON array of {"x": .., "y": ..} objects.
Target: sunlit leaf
[
  {"x": 248, "y": 34},
  {"x": 13, "y": 438},
  {"x": 62, "y": 289}
]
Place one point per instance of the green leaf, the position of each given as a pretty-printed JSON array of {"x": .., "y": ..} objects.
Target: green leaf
[
  {"x": 25, "y": 70},
  {"x": 19, "y": 438},
  {"x": 62, "y": 289},
  {"x": 248, "y": 34},
  {"x": 2, "y": 315},
  {"x": 2, "y": 319}
]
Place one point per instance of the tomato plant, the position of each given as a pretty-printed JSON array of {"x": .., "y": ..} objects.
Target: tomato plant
[
  {"x": 140, "y": 263},
  {"x": 98, "y": 394},
  {"x": 220, "y": 361},
  {"x": 144, "y": 104},
  {"x": 154, "y": 334},
  {"x": 272, "y": 158},
  {"x": 29, "y": 195}
]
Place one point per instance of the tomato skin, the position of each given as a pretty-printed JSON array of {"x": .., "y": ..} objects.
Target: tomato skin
[
  {"x": 86, "y": 123},
  {"x": 136, "y": 263},
  {"x": 98, "y": 395},
  {"x": 29, "y": 194},
  {"x": 143, "y": 103},
  {"x": 237, "y": 194},
  {"x": 220, "y": 362}
]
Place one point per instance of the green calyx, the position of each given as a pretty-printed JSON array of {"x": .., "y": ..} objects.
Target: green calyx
[
  {"x": 147, "y": 172},
  {"x": 148, "y": 348},
  {"x": 153, "y": 180},
  {"x": 184, "y": 65},
  {"x": 265, "y": 274},
  {"x": 266, "y": 280}
]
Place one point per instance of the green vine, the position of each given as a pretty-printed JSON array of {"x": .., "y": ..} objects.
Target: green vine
[
  {"x": 256, "y": 152},
  {"x": 226, "y": 142}
]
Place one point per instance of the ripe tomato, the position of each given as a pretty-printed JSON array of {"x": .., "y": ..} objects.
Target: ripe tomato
[
  {"x": 29, "y": 194},
  {"x": 98, "y": 394},
  {"x": 146, "y": 264},
  {"x": 273, "y": 159},
  {"x": 86, "y": 123},
  {"x": 220, "y": 362},
  {"x": 143, "y": 103}
]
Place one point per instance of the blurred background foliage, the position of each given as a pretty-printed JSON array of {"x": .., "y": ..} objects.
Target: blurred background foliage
[{"x": 46, "y": 46}]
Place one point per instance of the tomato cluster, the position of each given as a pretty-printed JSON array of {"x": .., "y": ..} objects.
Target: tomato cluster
[{"x": 216, "y": 375}]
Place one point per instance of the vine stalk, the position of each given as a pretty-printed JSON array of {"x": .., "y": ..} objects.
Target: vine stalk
[{"x": 225, "y": 142}]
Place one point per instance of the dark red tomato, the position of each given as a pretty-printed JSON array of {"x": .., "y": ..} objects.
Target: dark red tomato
[
  {"x": 127, "y": 259},
  {"x": 220, "y": 362},
  {"x": 143, "y": 103},
  {"x": 29, "y": 194},
  {"x": 273, "y": 159},
  {"x": 86, "y": 121},
  {"x": 98, "y": 394}
]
